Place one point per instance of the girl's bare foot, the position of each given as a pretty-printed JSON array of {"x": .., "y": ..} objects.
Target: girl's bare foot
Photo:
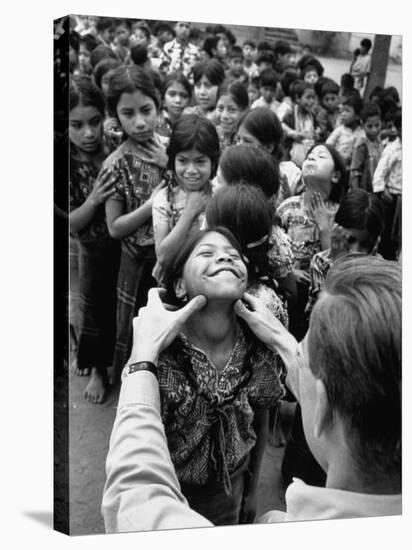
[
  {"x": 95, "y": 391},
  {"x": 78, "y": 372}
]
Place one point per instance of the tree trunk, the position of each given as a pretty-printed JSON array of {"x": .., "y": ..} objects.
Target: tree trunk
[{"x": 379, "y": 63}]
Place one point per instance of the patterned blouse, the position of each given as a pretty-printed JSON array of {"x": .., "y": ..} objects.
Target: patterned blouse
[
  {"x": 82, "y": 177},
  {"x": 281, "y": 256},
  {"x": 208, "y": 414},
  {"x": 134, "y": 183},
  {"x": 302, "y": 230}
]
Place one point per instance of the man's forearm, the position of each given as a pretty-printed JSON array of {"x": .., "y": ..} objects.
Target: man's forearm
[{"x": 142, "y": 491}]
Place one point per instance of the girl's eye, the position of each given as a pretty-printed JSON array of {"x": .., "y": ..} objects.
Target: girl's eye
[
  {"x": 96, "y": 121},
  {"x": 147, "y": 111},
  {"x": 75, "y": 125}
]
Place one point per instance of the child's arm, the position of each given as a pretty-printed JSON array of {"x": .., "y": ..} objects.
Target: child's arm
[
  {"x": 333, "y": 138},
  {"x": 358, "y": 165},
  {"x": 382, "y": 172},
  {"x": 249, "y": 505},
  {"x": 168, "y": 242},
  {"x": 122, "y": 225},
  {"x": 81, "y": 217}
]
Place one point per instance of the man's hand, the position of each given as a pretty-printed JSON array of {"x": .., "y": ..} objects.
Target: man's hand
[
  {"x": 156, "y": 327},
  {"x": 264, "y": 325}
]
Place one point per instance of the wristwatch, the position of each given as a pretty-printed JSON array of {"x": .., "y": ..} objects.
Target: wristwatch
[{"x": 143, "y": 365}]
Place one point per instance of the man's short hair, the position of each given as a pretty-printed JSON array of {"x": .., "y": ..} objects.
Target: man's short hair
[{"x": 355, "y": 349}]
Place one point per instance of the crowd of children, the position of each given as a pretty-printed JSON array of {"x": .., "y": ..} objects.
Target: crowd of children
[{"x": 172, "y": 130}]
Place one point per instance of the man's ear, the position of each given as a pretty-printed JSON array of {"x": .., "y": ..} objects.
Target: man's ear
[
  {"x": 180, "y": 289},
  {"x": 323, "y": 416}
]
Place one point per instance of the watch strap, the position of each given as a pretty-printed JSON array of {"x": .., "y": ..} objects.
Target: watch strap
[{"x": 143, "y": 365}]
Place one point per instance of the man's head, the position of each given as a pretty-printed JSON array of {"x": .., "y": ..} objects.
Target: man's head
[{"x": 351, "y": 377}]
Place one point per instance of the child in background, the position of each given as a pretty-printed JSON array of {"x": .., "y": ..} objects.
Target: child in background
[
  {"x": 98, "y": 253},
  {"x": 286, "y": 105},
  {"x": 87, "y": 44},
  {"x": 262, "y": 128},
  {"x": 359, "y": 223},
  {"x": 283, "y": 56},
  {"x": 344, "y": 137},
  {"x": 122, "y": 29},
  {"x": 231, "y": 104},
  {"x": 141, "y": 35},
  {"x": 387, "y": 182},
  {"x": 300, "y": 126},
  {"x": 361, "y": 66},
  {"x": 236, "y": 70},
  {"x": 136, "y": 167},
  {"x": 269, "y": 88},
  {"x": 310, "y": 74},
  {"x": 264, "y": 61},
  {"x": 176, "y": 95},
  {"x": 368, "y": 149},
  {"x": 253, "y": 89},
  {"x": 208, "y": 77},
  {"x": 327, "y": 113},
  {"x": 105, "y": 31},
  {"x": 347, "y": 87},
  {"x": 308, "y": 219},
  {"x": 249, "y": 56},
  {"x": 178, "y": 209},
  {"x": 111, "y": 126}
]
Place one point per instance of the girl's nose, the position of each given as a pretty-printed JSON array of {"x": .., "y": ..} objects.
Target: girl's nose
[{"x": 224, "y": 257}]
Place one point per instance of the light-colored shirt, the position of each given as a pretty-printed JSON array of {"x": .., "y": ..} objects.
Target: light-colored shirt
[
  {"x": 142, "y": 492},
  {"x": 343, "y": 139},
  {"x": 261, "y": 102},
  {"x": 305, "y": 502},
  {"x": 388, "y": 173}
]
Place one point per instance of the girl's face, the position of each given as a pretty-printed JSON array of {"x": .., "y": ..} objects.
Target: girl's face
[
  {"x": 176, "y": 99},
  {"x": 122, "y": 35},
  {"x": 139, "y": 38},
  {"x": 227, "y": 113},
  {"x": 307, "y": 101},
  {"x": 86, "y": 128},
  {"x": 214, "y": 269},
  {"x": 318, "y": 170},
  {"x": 84, "y": 58},
  {"x": 193, "y": 170},
  {"x": 137, "y": 115},
  {"x": 218, "y": 181},
  {"x": 205, "y": 94}
]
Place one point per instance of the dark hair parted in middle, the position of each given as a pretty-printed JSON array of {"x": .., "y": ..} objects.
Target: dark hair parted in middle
[
  {"x": 194, "y": 132},
  {"x": 126, "y": 80},
  {"x": 252, "y": 165}
]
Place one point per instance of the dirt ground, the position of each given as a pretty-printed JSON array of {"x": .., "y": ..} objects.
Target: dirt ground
[{"x": 89, "y": 432}]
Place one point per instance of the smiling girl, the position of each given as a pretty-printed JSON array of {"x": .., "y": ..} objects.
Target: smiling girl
[
  {"x": 208, "y": 76},
  {"x": 137, "y": 168},
  {"x": 178, "y": 209},
  {"x": 232, "y": 103},
  {"x": 216, "y": 383}
]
